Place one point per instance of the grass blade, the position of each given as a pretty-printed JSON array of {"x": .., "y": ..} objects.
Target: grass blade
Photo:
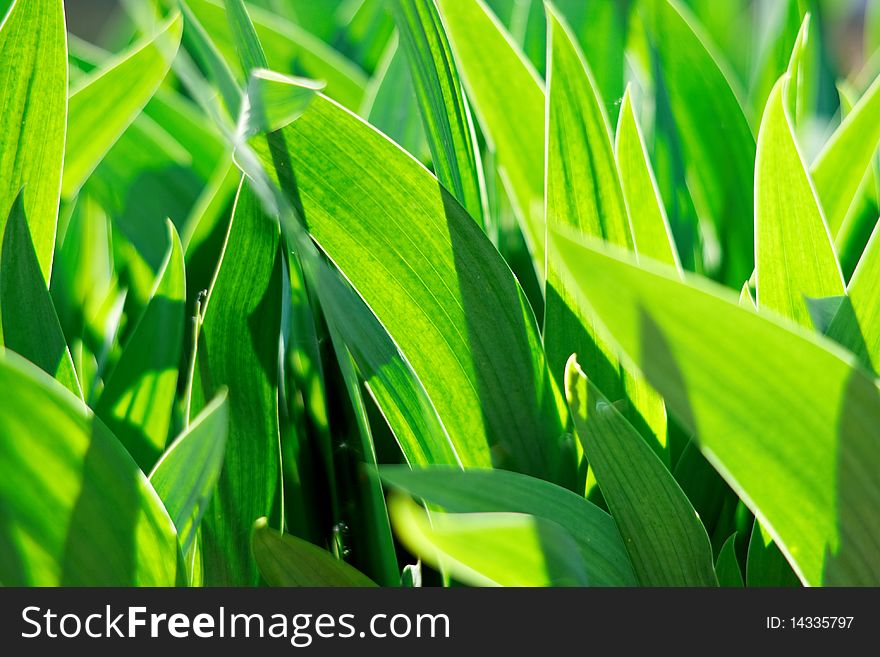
[
  {"x": 105, "y": 103},
  {"x": 238, "y": 349},
  {"x": 480, "y": 491},
  {"x": 793, "y": 249},
  {"x": 665, "y": 540},
  {"x": 491, "y": 549},
  {"x": 445, "y": 113},
  {"x": 139, "y": 394},
  {"x": 186, "y": 475},
  {"x": 30, "y": 325},
  {"x": 785, "y": 416},
  {"x": 33, "y": 95},
  {"x": 76, "y": 510}
]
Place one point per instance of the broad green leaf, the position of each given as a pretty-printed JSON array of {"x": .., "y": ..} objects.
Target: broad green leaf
[
  {"x": 765, "y": 564},
  {"x": 445, "y": 113},
  {"x": 186, "y": 475},
  {"x": 477, "y": 491},
  {"x": 33, "y": 98},
  {"x": 390, "y": 102},
  {"x": 647, "y": 216},
  {"x": 665, "y": 540},
  {"x": 490, "y": 549},
  {"x": 727, "y": 567},
  {"x": 286, "y": 560},
  {"x": 857, "y": 323},
  {"x": 785, "y": 416},
  {"x": 103, "y": 104},
  {"x": 838, "y": 170},
  {"x": 275, "y": 101},
  {"x": 139, "y": 393},
  {"x": 30, "y": 325},
  {"x": 584, "y": 195},
  {"x": 238, "y": 349},
  {"x": 508, "y": 100},
  {"x": 289, "y": 49},
  {"x": 793, "y": 250},
  {"x": 75, "y": 510},
  {"x": 717, "y": 144},
  {"x": 436, "y": 284}
]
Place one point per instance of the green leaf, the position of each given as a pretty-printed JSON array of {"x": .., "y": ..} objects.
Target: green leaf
[
  {"x": 445, "y": 113},
  {"x": 857, "y": 323},
  {"x": 186, "y": 475},
  {"x": 477, "y": 491},
  {"x": 389, "y": 378},
  {"x": 584, "y": 196},
  {"x": 665, "y": 540},
  {"x": 508, "y": 100},
  {"x": 30, "y": 325},
  {"x": 390, "y": 102},
  {"x": 490, "y": 549},
  {"x": 103, "y": 104},
  {"x": 33, "y": 95},
  {"x": 785, "y": 416},
  {"x": 765, "y": 564},
  {"x": 726, "y": 566},
  {"x": 838, "y": 170},
  {"x": 436, "y": 284},
  {"x": 717, "y": 144},
  {"x": 139, "y": 393},
  {"x": 238, "y": 349},
  {"x": 647, "y": 216},
  {"x": 275, "y": 101},
  {"x": 286, "y": 560},
  {"x": 75, "y": 510},
  {"x": 800, "y": 75},
  {"x": 244, "y": 36},
  {"x": 289, "y": 49},
  {"x": 793, "y": 250}
]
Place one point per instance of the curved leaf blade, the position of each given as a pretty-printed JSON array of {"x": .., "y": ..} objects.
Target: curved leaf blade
[
  {"x": 76, "y": 510},
  {"x": 478, "y": 491},
  {"x": 33, "y": 95}
]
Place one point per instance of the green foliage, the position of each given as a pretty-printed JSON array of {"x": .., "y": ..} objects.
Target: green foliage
[{"x": 263, "y": 252}]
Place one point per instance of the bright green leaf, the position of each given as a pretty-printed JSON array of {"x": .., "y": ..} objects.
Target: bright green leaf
[
  {"x": 33, "y": 98},
  {"x": 783, "y": 414},
  {"x": 30, "y": 325},
  {"x": 75, "y": 510},
  {"x": 665, "y": 540},
  {"x": 477, "y": 491}
]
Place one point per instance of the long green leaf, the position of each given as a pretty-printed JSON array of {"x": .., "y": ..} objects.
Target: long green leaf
[
  {"x": 584, "y": 195},
  {"x": 33, "y": 98},
  {"x": 238, "y": 349},
  {"x": 647, "y": 215},
  {"x": 286, "y": 560},
  {"x": 436, "y": 284},
  {"x": 491, "y": 549},
  {"x": 665, "y": 540},
  {"x": 479, "y": 491},
  {"x": 186, "y": 475},
  {"x": 839, "y": 168},
  {"x": 785, "y": 416},
  {"x": 445, "y": 113},
  {"x": 140, "y": 391},
  {"x": 508, "y": 100},
  {"x": 105, "y": 103},
  {"x": 718, "y": 146},
  {"x": 793, "y": 250},
  {"x": 727, "y": 567},
  {"x": 75, "y": 510},
  {"x": 857, "y": 323},
  {"x": 289, "y": 49},
  {"x": 30, "y": 325}
]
